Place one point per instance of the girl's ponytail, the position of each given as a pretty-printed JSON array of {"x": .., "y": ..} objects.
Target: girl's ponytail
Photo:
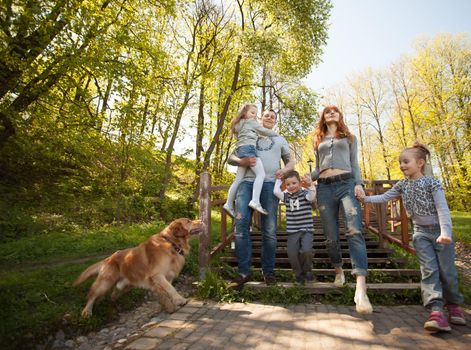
[{"x": 423, "y": 153}]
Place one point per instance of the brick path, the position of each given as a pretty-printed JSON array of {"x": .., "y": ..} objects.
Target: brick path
[{"x": 209, "y": 326}]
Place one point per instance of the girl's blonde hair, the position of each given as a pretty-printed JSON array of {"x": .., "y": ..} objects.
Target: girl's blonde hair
[
  {"x": 321, "y": 128},
  {"x": 241, "y": 115},
  {"x": 420, "y": 151}
]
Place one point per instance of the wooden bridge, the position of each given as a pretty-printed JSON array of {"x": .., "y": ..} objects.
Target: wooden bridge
[{"x": 384, "y": 224}]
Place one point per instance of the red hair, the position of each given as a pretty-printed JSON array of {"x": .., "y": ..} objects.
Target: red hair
[{"x": 321, "y": 128}]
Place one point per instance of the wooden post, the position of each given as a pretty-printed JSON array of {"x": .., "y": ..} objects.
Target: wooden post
[
  {"x": 381, "y": 209},
  {"x": 404, "y": 224},
  {"x": 223, "y": 225},
  {"x": 366, "y": 214},
  {"x": 205, "y": 217}
]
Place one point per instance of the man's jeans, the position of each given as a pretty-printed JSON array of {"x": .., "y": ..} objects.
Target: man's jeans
[
  {"x": 437, "y": 265},
  {"x": 330, "y": 198},
  {"x": 243, "y": 219}
]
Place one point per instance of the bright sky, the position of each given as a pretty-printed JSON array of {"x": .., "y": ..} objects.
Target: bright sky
[{"x": 375, "y": 33}]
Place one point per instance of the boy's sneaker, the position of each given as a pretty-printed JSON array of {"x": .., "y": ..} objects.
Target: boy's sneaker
[
  {"x": 309, "y": 277},
  {"x": 437, "y": 322},
  {"x": 270, "y": 279},
  {"x": 257, "y": 207},
  {"x": 229, "y": 209},
  {"x": 455, "y": 315},
  {"x": 300, "y": 279},
  {"x": 238, "y": 282}
]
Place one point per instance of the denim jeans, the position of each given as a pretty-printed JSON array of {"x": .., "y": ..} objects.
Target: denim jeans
[
  {"x": 243, "y": 219},
  {"x": 246, "y": 151},
  {"x": 439, "y": 282},
  {"x": 331, "y": 197},
  {"x": 299, "y": 249}
]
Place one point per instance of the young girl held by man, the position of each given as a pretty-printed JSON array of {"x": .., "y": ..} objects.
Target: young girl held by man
[
  {"x": 246, "y": 129},
  {"x": 425, "y": 203}
]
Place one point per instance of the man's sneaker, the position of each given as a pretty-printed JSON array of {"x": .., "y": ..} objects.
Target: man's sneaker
[
  {"x": 229, "y": 209},
  {"x": 270, "y": 279},
  {"x": 455, "y": 315},
  {"x": 437, "y": 322},
  {"x": 309, "y": 277},
  {"x": 339, "y": 279},
  {"x": 238, "y": 282},
  {"x": 257, "y": 207}
]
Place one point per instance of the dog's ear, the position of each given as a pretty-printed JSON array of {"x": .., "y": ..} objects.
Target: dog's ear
[{"x": 179, "y": 228}]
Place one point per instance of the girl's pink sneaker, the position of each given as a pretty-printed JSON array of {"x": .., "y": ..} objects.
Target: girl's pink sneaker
[
  {"x": 455, "y": 315},
  {"x": 437, "y": 322}
]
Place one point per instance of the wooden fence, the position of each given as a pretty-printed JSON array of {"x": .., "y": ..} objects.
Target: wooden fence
[{"x": 388, "y": 220}]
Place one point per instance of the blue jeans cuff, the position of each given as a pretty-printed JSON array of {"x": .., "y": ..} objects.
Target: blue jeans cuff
[{"x": 359, "y": 272}]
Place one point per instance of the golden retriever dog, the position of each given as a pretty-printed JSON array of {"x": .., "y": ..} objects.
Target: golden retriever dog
[{"x": 152, "y": 265}]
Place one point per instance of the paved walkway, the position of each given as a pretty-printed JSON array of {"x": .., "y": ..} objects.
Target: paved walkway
[{"x": 209, "y": 326}]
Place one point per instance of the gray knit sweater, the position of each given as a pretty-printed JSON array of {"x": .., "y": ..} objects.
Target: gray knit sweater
[{"x": 334, "y": 153}]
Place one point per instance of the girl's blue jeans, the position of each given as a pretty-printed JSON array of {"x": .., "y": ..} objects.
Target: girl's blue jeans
[
  {"x": 439, "y": 283},
  {"x": 331, "y": 199}
]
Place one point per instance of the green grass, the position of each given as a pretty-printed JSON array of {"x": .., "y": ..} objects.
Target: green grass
[
  {"x": 36, "y": 275},
  {"x": 37, "y": 272},
  {"x": 53, "y": 247},
  {"x": 461, "y": 226}
]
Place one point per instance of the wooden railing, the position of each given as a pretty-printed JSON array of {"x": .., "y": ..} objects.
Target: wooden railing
[
  {"x": 207, "y": 204},
  {"x": 387, "y": 220},
  {"x": 205, "y": 252}
]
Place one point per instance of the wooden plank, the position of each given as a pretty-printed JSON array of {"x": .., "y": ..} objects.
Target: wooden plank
[
  {"x": 281, "y": 250},
  {"x": 343, "y": 244},
  {"x": 327, "y": 287},
  {"x": 331, "y": 272},
  {"x": 322, "y": 260}
]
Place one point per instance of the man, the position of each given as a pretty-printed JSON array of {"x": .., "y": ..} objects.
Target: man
[{"x": 270, "y": 150}]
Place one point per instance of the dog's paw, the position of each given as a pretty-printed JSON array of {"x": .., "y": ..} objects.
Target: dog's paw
[
  {"x": 86, "y": 313},
  {"x": 180, "y": 301},
  {"x": 170, "y": 308}
]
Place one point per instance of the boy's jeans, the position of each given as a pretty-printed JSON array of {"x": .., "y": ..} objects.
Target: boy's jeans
[
  {"x": 299, "y": 249},
  {"x": 437, "y": 265},
  {"x": 243, "y": 219},
  {"x": 331, "y": 197}
]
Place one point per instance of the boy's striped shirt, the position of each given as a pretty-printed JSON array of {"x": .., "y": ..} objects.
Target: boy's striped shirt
[{"x": 298, "y": 211}]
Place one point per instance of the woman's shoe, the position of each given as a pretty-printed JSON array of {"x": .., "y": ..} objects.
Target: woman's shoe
[{"x": 362, "y": 302}]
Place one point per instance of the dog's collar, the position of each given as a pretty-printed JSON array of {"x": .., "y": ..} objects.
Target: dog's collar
[{"x": 178, "y": 249}]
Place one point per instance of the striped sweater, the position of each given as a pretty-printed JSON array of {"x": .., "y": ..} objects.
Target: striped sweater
[{"x": 298, "y": 208}]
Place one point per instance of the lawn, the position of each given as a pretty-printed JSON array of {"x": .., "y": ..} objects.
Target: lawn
[
  {"x": 36, "y": 275},
  {"x": 461, "y": 226}
]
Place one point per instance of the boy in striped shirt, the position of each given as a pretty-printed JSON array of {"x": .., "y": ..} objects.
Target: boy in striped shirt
[{"x": 299, "y": 222}]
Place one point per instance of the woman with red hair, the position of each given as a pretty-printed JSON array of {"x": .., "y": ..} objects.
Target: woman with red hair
[{"x": 338, "y": 184}]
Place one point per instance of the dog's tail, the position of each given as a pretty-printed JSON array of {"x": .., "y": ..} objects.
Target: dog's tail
[{"x": 89, "y": 272}]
